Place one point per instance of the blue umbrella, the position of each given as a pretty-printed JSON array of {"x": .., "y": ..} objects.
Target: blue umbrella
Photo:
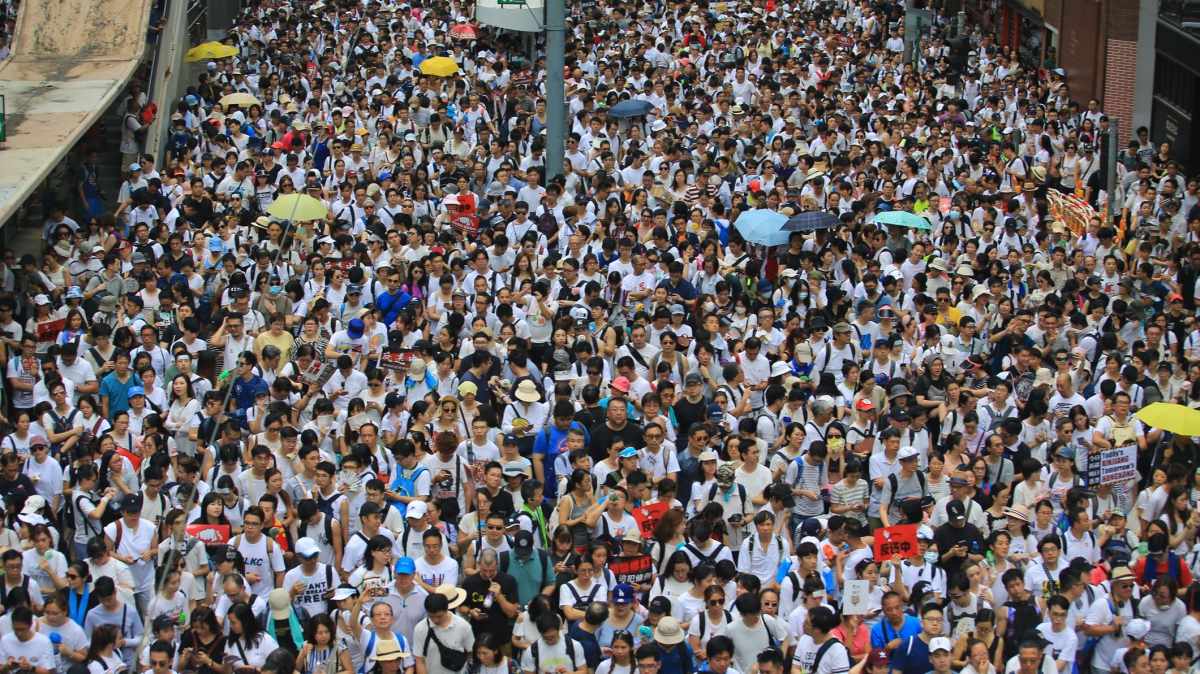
[
  {"x": 629, "y": 108},
  {"x": 762, "y": 226},
  {"x": 810, "y": 221},
  {"x": 902, "y": 219}
]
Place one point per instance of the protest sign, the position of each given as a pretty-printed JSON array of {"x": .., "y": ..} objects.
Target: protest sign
[{"x": 898, "y": 540}]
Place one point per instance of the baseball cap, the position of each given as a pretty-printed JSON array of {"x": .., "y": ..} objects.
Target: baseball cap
[
  {"x": 132, "y": 503},
  {"x": 628, "y": 453},
  {"x": 416, "y": 509},
  {"x": 955, "y": 510},
  {"x": 523, "y": 543},
  {"x": 344, "y": 591},
  {"x": 623, "y": 594},
  {"x": 406, "y": 565},
  {"x": 908, "y": 452},
  {"x": 307, "y": 548},
  {"x": 514, "y": 469},
  {"x": 939, "y": 644}
]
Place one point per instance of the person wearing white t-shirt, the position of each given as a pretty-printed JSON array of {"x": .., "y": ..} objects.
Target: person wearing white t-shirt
[
  {"x": 24, "y": 644},
  {"x": 134, "y": 541},
  {"x": 1063, "y": 641},
  {"x": 264, "y": 559},
  {"x": 310, "y": 581},
  {"x": 834, "y": 658},
  {"x": 548, "y": 655},
  {"x": 434, "y": 568},
  {"x": 1108, "y": 620},
  {"x": 55, "y": 620},
  {"x": 247, "y": 645}
]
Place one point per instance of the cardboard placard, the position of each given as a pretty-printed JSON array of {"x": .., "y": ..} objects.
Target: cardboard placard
[
  {"x": 897, "y": 540},
  {"x": 210, "y": 534},
  {"x": 47, "y": 331},
  {"x": 396, "y": 360},
  {"x": 857, "y": 598},
  {"x": 1118, "y": 464}
]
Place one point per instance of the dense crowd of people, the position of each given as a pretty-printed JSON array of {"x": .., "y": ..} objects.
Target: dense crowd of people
[{"x": 482, "y": 418}]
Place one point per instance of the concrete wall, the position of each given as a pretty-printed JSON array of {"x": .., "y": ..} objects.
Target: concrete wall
[
  {"x": 70, "y": 61},
  {"x": 169, "y": 74}
]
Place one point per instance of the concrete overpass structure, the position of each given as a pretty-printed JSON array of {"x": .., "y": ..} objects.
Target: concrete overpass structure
[{"x": 70, "y": 61}]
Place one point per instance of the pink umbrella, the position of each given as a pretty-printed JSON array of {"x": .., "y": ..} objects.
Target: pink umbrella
[{"x": 464, "y": 31}]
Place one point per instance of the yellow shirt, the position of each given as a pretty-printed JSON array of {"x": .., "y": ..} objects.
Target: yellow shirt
[{"x": 283, "y": 342}]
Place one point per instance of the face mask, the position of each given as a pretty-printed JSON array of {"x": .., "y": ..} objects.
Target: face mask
[
  {"x": 803, "y": 295},
  {"x": 931, "y": 556},
  {"x": 836, "y": 443},
  {"x": 275, "y": 290},
  {"x": 955, "y": 215}
]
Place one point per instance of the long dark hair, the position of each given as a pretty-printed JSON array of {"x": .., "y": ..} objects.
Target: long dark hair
[
  {"x": 251, "y": 630},
  {"x": 102, "y": 637}
]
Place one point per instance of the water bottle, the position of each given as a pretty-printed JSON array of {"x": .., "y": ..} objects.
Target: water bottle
[{"x": 56, "y": 639}]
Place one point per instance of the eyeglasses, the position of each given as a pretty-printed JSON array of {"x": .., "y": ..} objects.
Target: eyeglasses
[
  {"x": 493, "y": 527},
  {"x": 716, "y": 602},
  {"x": 72, "y": 576}
]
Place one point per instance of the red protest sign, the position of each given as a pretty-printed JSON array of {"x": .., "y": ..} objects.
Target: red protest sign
[
  {"x": 898, "y": 540},
  {"x": 210, "y": 534}
]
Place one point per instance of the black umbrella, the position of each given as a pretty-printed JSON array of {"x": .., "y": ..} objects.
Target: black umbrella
[{"x": 810, "y": 221}]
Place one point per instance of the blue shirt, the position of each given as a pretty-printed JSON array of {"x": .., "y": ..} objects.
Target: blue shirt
[
  {"x": 245, "y": 391},
  {"x": 883, "y": 632},
  {"x": 548, "y": 444},
  {"x": 117, "y": 392},
  {"x": 910, "y": 657}
]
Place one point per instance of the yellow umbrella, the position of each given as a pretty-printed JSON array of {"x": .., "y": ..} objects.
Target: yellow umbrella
[
  {"x": 209, "y": 51},
  {"x": 1178, "y": 419},
  {"x": 241, "y": 98},
  {"x": 439, "y": 66},
  {"x": 297, "y": 208}
]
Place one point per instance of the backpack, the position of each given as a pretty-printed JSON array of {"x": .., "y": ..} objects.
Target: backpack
[
  {"x": 712, "y": 495},
  {"x": 997, "y": 418},
  {"x": 894, "y": 482},
  {"x": 579, "y": 600},
  {"x": 801, "y": 464},
  {"x": 568, "y": 642},
  {"x": 61, "y": 425},
  {"x": 407, "y": 486},
  {"x": 704, "y": 559},
  {"x": 704, "y": 619},
  {"x": 91, "y": 529},
  {"x": 546, "y": 575},
  {"x": 302, "y": 529},
  {"x": 821, "y": 653},
  {"x": 829, "y": 355},
  {"x": 1150, "y": 571}
]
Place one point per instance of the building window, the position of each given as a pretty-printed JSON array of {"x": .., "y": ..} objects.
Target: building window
[{"x": 1174, "y": 83}]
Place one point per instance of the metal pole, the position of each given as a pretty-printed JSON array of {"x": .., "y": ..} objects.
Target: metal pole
[
  {"x": 1111, "y": 169},
  {"x": 555, "y": 98}
]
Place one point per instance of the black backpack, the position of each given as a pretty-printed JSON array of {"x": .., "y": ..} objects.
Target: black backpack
[{"x": 569, "y": 645}]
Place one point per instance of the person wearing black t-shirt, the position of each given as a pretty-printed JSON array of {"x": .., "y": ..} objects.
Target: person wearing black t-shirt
[
  {"x": 957, "y": 540},
  {"x": 490, "y": 605},
  {"x": 691, "y": 407}
]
